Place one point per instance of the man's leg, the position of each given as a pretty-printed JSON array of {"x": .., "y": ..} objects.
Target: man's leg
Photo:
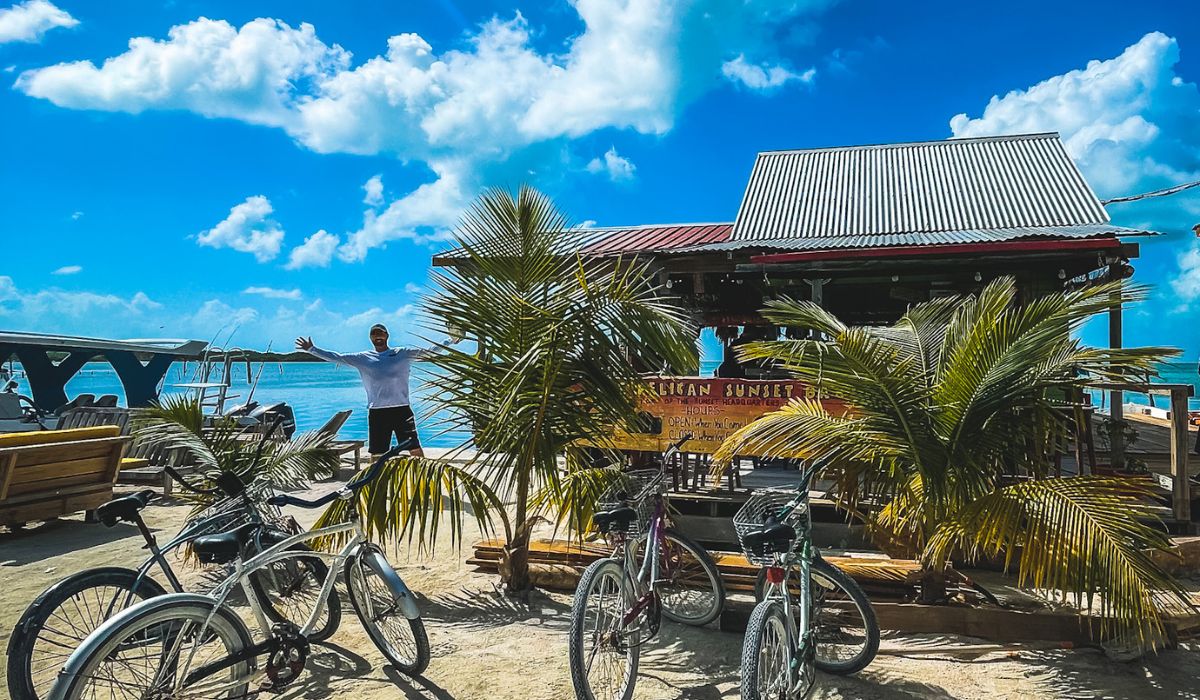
[
  {"x": 379, "y": 431},
  {"x": 406, "y": 431}
]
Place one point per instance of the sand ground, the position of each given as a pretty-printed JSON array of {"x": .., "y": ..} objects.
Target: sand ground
[{"x": 489, "y": 646}]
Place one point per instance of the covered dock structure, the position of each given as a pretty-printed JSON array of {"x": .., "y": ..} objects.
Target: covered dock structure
[{"x": 50, "y": 361}]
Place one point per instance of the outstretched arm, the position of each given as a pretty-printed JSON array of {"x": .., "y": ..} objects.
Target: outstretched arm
[{"x": 306, "y": 344}]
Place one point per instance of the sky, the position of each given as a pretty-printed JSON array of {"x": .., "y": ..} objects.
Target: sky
[{"x": 208, "y": 170}]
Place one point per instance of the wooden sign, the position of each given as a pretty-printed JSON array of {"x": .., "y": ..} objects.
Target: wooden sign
[{"x": 710, "y": 409}]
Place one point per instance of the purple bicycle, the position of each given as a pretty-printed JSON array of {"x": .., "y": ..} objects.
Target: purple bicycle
[{"x": 654, "y": 572}]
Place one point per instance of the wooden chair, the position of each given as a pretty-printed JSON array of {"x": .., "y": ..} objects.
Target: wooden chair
[
  {"x": 342, "y": 447},
  {"x": 50, "y": 473},
  {"x": 143, "y": 462}
]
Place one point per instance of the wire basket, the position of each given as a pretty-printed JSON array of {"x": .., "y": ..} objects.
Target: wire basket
[
  {"x": 765, "y": 504},
  {"x": 635, "y": 491}
]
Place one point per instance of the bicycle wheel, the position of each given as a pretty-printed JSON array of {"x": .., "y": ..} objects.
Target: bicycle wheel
[
  {"x": 689, "y": 583},
  {"x": 289, "y": 590},
  {"x": 767, "y": 658},
  {"x": 401, "y": 640},
  {"x": 153, "y": 650},
  {"x": 603, "y": 661},
  {"x": 58, "y": 621},
  {"x": 847, "y": 633}
]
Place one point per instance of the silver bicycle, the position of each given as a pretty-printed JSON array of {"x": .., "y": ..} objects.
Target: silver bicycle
[{"x": 185, "y": 646}]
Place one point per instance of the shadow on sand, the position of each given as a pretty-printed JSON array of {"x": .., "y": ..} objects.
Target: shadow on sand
[{"x": 54, "y": 538}]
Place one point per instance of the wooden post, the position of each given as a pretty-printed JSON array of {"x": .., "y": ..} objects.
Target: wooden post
[
  {"x": 1181, "y": 497},
  {"x": 1116, "y": 443}
]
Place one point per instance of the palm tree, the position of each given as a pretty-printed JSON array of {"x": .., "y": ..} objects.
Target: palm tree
[
  {"x": 558, "y": 341},
  {"x": 219, "y": 446},
  {"x": 955, "y": 412}
]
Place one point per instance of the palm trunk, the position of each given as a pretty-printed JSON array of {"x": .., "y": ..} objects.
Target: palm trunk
[{"x": 514, "y": 572}]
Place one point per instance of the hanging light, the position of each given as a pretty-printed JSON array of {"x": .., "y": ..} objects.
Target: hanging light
[
  {"x": 978, "y": 277},
  {"x": 1062, "y": 274}
]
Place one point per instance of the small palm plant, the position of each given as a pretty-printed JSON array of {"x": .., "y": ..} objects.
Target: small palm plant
[
  {"x": 216, "y": 446},
  {"x": 955, "y": 412},
  {"x": 551, "y": 366}
]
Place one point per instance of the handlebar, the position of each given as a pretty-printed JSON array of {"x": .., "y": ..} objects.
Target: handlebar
[
  {"x": 228, "y": 484},
  {"x": 368, "y": 476}
]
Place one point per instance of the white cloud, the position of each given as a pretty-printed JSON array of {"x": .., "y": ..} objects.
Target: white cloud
[
  {"x": 255, "y": 74},
  {"x": 413, "y": 288},
  {"x": 762, "y": 77},
  {"x": 316, "y": 251},
  {"x": 1187, "y": 282},
  {"x": 68, "y": 270},
  {"x": 373, "y": 191},
  {"x": 272, "y": 293},
  {"x": 617, "y": 167},
  {"x": 29, "y": 21},
  {"x": 248, "y": 229},
  {"x": 33, "y": 309},
  {"x": 1129, "y": 122},
  {"x": 76, "y": 216},
  {"x": 470, "y": 114}
]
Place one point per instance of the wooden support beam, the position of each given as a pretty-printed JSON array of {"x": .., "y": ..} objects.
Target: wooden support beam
[
  {"x": 1181, "y": 497},
  {"x": 1116, "y": 397}
]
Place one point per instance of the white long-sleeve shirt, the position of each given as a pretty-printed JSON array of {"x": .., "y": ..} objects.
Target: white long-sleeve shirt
[{"x": 384, "y": 374}]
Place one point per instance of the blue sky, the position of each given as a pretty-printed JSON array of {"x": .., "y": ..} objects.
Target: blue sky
[{"x": 190, "y": 168}]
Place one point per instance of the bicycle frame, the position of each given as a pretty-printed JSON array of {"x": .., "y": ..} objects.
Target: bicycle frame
[{"x": 648, "y": 571}]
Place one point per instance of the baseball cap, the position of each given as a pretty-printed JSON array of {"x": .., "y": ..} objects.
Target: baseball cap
[{"x": 379, "y": 327}]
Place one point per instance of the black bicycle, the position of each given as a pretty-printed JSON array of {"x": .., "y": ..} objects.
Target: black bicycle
[{"x": 59, "y": 619}]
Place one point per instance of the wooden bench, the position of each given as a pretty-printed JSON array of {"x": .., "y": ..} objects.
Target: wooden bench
[
  {"x": 143, "y": 462},
  {"x": 46, "y": 474}
]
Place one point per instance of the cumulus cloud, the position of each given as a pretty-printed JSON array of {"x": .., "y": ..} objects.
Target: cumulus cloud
[
  {"x": 614, "y": 165},
  {"x": 466, "y": 113},
  {"x": 273, "y": 293},
  {"x": 316, "y": 251},
  {"x": 373, "y": 191},
  {"x": 29, "y": 21},
  {"x": 20, "y": 308},
  {"x": 1187, "y": 282},
  {"x": 68, "y": 270},
  {"x": 1129, "y": 122},
  {"x": 248, "y": 229},
  {"x": 764, "y": 77}
]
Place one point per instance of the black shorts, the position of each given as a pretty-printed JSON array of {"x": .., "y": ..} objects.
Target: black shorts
[{"x": 383, "y": 422}]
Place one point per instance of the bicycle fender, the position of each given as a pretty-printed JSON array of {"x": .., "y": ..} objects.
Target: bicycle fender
[
  {"x": 97, "y": 638},
  {"x": 384, "y": 570}
]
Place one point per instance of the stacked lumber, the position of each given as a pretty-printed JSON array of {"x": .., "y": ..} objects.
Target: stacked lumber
[{"x": 552, "y": 563}]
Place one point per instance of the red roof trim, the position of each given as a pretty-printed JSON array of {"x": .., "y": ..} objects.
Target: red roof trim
[
  {"x": 1026, "y": 246},
  {"x": 647, "y": 239}
]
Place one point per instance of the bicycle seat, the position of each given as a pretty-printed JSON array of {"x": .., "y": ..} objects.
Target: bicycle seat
[
  {"x": 223, "y": 547},
  {"x": 616, "y": 520},
  {"x": 123, "y": 508},
  {"x": 771, "y": 537}
]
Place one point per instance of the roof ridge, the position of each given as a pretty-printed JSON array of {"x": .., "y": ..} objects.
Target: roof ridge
[
  {"x": 644, "y": 226},
  {"x": 931, "y": 142}
]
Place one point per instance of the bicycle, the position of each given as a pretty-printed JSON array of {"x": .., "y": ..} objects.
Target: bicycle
[
  {"x": 619, "y": 603},
  {"x": 185, "y": 645},
  {"x": 800, "y": 623},
  {"x": 63, "y": 615}
]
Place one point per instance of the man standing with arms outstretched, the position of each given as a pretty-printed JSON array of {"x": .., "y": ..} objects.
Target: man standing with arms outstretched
[{"x": 384, "y": 372}]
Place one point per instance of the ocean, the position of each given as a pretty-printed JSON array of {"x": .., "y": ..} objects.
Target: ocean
[{"x": 317, "y": 390}]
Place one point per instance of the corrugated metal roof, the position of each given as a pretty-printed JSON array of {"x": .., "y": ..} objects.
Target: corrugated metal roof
[
  {"x": 928, "y": 238},
  {"x": 657, "y": 239},
  {"x": 957, "y": 185}
]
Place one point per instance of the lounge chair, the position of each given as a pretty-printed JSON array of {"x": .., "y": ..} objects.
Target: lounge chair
[
  {"x": 143, "y": 463},
  {"x": 342, "y": 447},
  {"x": 106, "y": 401},
  {"x": 47, "y": 474}
]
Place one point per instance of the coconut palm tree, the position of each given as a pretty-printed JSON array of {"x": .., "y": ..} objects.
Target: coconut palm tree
[
  {"x": 955, "y": 413},
  {"x": 557, "y": 342},
  {"x": 218, "y": 446}
]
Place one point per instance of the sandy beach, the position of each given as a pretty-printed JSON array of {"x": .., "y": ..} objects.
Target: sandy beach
[{"x": 486, "y": 645}]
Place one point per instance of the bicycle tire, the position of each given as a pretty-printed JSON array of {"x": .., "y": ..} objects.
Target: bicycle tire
[
  {"x": 575, "y": 641},
  {"x": 141, "y": 625},
  {"x": 673, "y": 611},
  {"x": 23, "y": 679},
  {"x": 870, "y": 625},
  {"x": 259, "y": 580},
  {"x": 768, "y": 626},
  {"x": 421, "y": 656}
]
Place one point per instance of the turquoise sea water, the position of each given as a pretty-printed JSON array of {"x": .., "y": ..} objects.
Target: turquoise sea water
[{"x": 317, "y": 390}]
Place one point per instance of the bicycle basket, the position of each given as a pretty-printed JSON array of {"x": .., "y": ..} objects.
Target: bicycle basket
[
  {"x": 635, "y": 490},
  {"x": 764, "y": 504}
]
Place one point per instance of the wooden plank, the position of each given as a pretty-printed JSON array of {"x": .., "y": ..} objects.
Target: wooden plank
[
  {"x": 50, "y": 485},
  {"x": 8, "y": 463},
  {"x": 32, "y": 474},
  {"x": 58, "y": 451},
  {"x": 53, "y": 507},
  {"x": 1181, "y": 501}
]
